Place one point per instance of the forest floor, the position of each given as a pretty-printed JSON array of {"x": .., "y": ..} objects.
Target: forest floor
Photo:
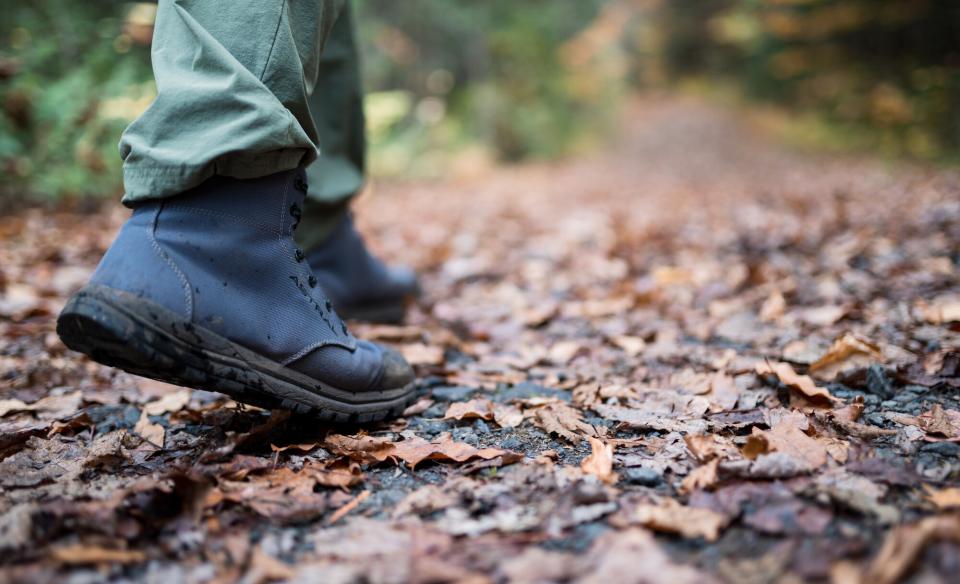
[{"x": 697, "y": 356}]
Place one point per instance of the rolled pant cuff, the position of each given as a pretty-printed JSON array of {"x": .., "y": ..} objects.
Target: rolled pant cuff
[{"x": 143, "y": 183}]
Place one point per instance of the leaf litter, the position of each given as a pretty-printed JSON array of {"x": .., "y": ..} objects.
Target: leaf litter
[{"x": 756, "y": 381}]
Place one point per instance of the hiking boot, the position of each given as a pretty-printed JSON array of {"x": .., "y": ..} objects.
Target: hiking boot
[
  {"x": 208, "y": 290},
  {"x": 360, "y": 286}
]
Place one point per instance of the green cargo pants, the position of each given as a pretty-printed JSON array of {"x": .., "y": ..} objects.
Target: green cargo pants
[{"x": 246, "y": 89}]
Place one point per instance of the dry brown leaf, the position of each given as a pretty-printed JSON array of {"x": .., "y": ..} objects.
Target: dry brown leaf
[
  {"x": 563, "y": 352},
  {"x": 941, "y": 310},
  {"x": 633, "y": 556},
  {"x": 50, "y": 407},
  {"x": 172, "y": 402},
  {"x": 350, "y": 506},
  {"x": 507, "y": 416},
  {"x": 632, "y": 346},
  {"x": 702, "y": 477},
  {"x": 948, "y": 498},
  {"x": 800, "y": 383},
  {"x": 822, "y": 315},
  {"x": 475, "y": 408},
  {"x": 940, "y": 422},
  {"x": 670, "y": 516},
  {"x": 563, "y": 420},
  {"x": 94, "y": 554},
  {"x": 847, "y": 353},
  {"x": 265, "y": 568},
  {"x": 152, "y": 433},
  {"x": 415, "y": 450},
  {"x": 600, "y": 461},
  {"x": 904, "y": 545},
  {"x": 281, "y": 494},
  {"x": 338, "y": 476},
  {"x": 773, "y": 307},
  {"x": 705, "y": 447},
  {"x": 412, "y": 450},
  {"x": 423, "y": 404},
  {"x": 421, "y": 354},
  {"x": 361, "y": 448},
  {"x": 791, "y": 440},
  {"x": 724, "y": 393}
]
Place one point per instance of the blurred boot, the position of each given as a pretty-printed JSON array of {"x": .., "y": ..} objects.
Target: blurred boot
[
  {"x": 359, "y": 285},
  {"x": 208, "y": 290}
]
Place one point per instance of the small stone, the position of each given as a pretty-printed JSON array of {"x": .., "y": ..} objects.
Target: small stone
[
  {"x": 878, "y": 383},
  {"x": 481, "y": 427},
  {"x": 453, "y": 394},
  {"x": 874, "y": 419},
  {"x": 942, "y": 448},
  {"x": 645, "y": 477},
  {"x": 511, "y": 443}
]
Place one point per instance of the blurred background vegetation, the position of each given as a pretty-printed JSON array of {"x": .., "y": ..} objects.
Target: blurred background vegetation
[{"x": 456, "y": 86}]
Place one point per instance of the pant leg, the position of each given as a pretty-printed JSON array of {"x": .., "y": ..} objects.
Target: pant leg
[
  {"x": 337, "y": 109},
  {"x": 233, "y": 81}
]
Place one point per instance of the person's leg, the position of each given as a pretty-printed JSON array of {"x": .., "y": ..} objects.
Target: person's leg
[
  {"x": 204, "y": 286},
  {"x": 359, "y": 285},
  {"x": 232, "y": 89},
  {"x": 336, "y": 106}
]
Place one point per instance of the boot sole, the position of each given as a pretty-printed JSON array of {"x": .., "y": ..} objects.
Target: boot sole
[{"x": 125, "y": 331}]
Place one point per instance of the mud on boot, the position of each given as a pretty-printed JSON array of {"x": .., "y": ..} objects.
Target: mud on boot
[{"x": 208, "y": 290}]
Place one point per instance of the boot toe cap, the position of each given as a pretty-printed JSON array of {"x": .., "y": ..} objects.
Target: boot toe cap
[{"x": 396, "y": 371}]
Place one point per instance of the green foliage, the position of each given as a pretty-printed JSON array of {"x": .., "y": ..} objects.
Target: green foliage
[
  {"x": 486, "y": 74},
  {"x": 884, "y": 73},
  {"x": 60, "y": 63},
  {"x": 450, "y": 77}
]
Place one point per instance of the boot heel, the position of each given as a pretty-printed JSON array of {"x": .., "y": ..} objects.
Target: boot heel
[{"x": 91, "y": 326}]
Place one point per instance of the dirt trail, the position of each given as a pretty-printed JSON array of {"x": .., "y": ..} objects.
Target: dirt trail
[{"x": 695, "y": 356}]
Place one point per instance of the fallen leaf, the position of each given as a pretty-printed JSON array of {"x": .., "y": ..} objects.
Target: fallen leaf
[
  {"x": 50, "y": 407},
  {"x": 849, "y": 352},
  {"x": 800, "y": 383},
  {"x": 632, "y": 346},
  {"x": 475, "y": 408},
  {"x": 702, "y": 477},
  {"x": 265, "y": 568},
  {"x": 93, "y": 554},
  {"x": 948, "y": 498},
  {"x": 169, "y": 403},
  {"x": 423, "y": 404},
  {"x": 904, "y": 544},
  {"x": 723, "y": 393},
  {"x": 342, "y": 511},
  {"x": 941, "y": 310},
  {"x": 507, "y": 416},
  {"x": 940, "y": 421},
  {"x": 773, "y": 307},
  {"x": 669, "y": 516},
  {"x": 361, "y": 448},
  {"x": 421, "y": 354},
  {"x": 563, "y": 352},
  {"x": 633, "y": 556},
  {"x": 600, "y": 461},
  {"x": 152, "y": 433},
  {"x": 790, "y": 440},
  {"x": 821, "y": 316},
  {"x": 415, "y": 450},
  {"x": 706, "y": 447},
  {"x": 564, "y": 421}
]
